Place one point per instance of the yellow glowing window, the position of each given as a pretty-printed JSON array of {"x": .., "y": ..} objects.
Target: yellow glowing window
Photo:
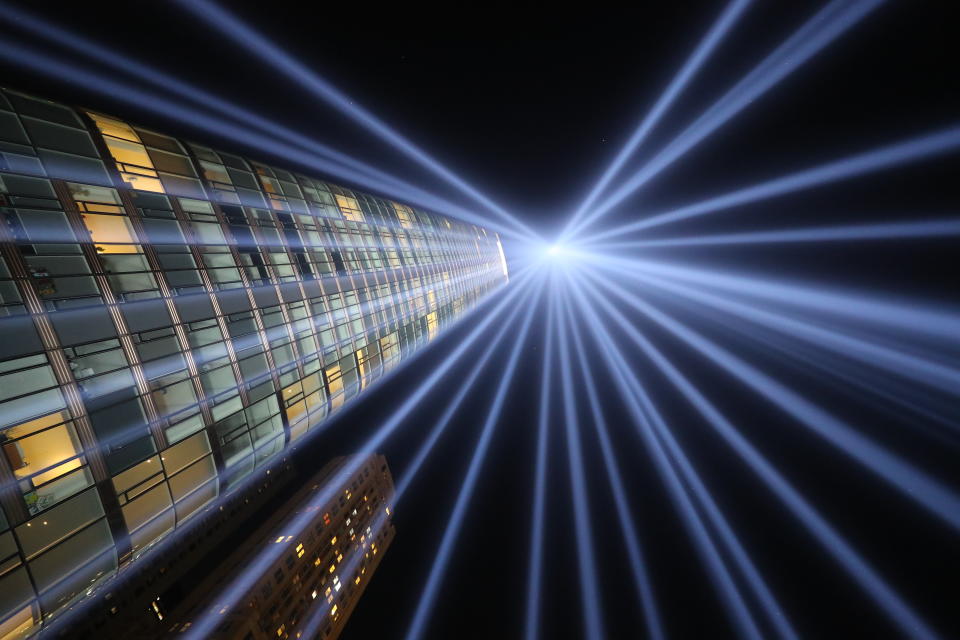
[
  {"x": 334, "y": 610},
  {"x": 278, "y": 540},
  {"x": 300, "y": 550},
  {"x": 111, "y": 234},
  {"x": 135, "y": 165},
  {"x": 333, "y": 540},
  {"x": 350, "y": 208},
  {"x": 332, "y": 568},
  {"x": 335, "y": 383},
  {"x": 296, "y": 411},
  {"x": 43, "y": 450},
  {"x": 405, "y": 214},
  {"x": 114, "y": 127},
  {"x": 126, "y": 152},
  {"x": 432, "y": 324}
]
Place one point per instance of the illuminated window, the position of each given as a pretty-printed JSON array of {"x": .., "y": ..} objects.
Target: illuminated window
[
  {"x": 111, "y": 234},
  {"x": 350, "y": 208},
  {"x": 45, "y": 455},
  {"x": 136, "y": 167},
  {"x": 294, "y": 404},
  {"x": 335, "y": 384},
  {"x": 405, "y": 215},
  {"x": 300, "y": 550}
]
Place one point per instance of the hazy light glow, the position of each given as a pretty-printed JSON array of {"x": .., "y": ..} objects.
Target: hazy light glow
[{"x": 620, "y": 302}]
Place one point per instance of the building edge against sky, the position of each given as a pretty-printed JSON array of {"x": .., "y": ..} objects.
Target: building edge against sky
[
  {"x": 313, "y": 587},
  {"x": 173, "y": 317}
]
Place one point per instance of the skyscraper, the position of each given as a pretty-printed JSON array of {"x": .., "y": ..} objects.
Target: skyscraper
[
  {"x": 311, "y": 588},
  {"x": 173, "y": 318}
]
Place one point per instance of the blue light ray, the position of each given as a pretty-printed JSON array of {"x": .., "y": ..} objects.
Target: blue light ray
[
  {"x": 535, "y": 569},
  {"x": 716, "y": 569},
  {"x": 771, "y": 607},
  {"x": 154, "y": 103},
  {"x": 913, "y": 482},
  {"x": 631, "y": 537},
  {"x": 890, "y": 156},
  {"x": 141, "y": 71},
  {"x": 493, "y": 308},
  {"x": 167, "y": 236},
  {"x": 154, "y": 369},
  {"x": 428, "y": 597},
  {"x": 261, "y": 47},
  {"x": 233, "y": 592},
  {"x": 714, "y": 36},
  {"x": 877, "y": 387},
  {"x": 839, "y": 233},
  {"x": 915, "y": 318},
  {"x": 593, "y": 627},
  {"x": 817, "y": 33},
  {"x": 856, "y": 567},
  {"x": 894, "y": 361},
  {"x": 322, "y": 610},
  {"x": 409, "y": 474}
]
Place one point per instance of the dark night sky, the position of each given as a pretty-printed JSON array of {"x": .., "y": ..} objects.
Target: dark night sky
[{"x": 528, "y": 106}]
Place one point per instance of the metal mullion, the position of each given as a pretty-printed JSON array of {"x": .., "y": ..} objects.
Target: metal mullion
[
  {"x": 257, "y": 319},
  {"x": 14, "y": 505},
  {"x": 283, "y": 305},
  {"x": 201, "y": 267},
  {"x": 123, "y": 332},
  {"x": 161, "y": 278}
]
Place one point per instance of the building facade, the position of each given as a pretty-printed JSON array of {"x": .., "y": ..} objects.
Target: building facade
[
  {"x": 174, "y": 317},
  {"x": 311, "y": 588}
]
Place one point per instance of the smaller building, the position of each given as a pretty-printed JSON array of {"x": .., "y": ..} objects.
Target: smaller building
[{"x": 332, "y": 540}]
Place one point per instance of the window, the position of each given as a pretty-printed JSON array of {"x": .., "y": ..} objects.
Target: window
[
  {"x": 28, "y": 389},
  {"x": 135, "y": 166},
  {"x": 114, "y": 239},
  {"x": 350, "y": 208},
  {"x": 335, "y": 386},
  {"x": 46, "y": 457}
]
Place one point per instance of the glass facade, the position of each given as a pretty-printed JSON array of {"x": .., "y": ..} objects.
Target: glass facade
[{"x": 172, "y": 317}]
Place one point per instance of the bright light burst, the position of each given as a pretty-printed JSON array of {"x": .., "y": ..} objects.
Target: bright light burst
[{"x": 604, "y": 319}]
